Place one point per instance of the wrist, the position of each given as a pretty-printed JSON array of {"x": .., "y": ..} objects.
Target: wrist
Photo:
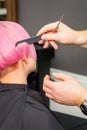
[
  {"x": 83, "y": 106},
  {"x": 83, "y": 102},
  {"x": 81, "y": 38},
  {"x": 82, "y": 97}
]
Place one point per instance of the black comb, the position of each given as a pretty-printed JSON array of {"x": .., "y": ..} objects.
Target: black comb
[{"x": 30, "y": 40}]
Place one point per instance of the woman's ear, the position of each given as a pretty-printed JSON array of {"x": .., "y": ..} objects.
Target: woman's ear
[{"x": 25, "y": 59}]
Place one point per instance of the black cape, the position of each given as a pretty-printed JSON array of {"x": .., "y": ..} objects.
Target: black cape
[{"x": 24, "y": 110}]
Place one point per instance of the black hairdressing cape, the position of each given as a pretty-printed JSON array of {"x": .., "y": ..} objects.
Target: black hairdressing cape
[{"x": 23, "y": 110}]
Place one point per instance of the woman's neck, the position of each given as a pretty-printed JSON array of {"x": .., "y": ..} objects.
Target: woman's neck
[{"x": 16, "y": 76}]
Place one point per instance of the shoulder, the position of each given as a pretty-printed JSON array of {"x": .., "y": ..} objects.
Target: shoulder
[{"x": 35, "y": 95}]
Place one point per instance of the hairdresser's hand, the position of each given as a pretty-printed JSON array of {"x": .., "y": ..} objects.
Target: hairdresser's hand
[
  {"x": 67, "y": 91},
  {"x": 64, "y": 35}
]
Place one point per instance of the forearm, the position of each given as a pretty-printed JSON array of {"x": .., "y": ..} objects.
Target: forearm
[{"x": 81, "y": 38}]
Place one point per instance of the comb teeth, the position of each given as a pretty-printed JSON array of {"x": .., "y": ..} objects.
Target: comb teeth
[{"x": 30, "y": 40}]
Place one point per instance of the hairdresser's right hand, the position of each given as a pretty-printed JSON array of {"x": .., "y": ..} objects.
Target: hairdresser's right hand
[{"x": 64, "y": 35}]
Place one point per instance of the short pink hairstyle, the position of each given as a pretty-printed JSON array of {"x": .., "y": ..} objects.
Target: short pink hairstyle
[{"x": 10, "y": 33}]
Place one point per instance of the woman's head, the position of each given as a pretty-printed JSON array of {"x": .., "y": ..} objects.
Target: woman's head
[{"x": 10, "y": 33}]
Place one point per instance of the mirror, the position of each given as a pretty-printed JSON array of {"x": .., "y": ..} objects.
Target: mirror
[{"x": 8, "y": 10}]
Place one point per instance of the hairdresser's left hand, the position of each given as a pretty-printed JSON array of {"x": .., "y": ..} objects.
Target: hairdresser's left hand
[{"x": 67, "y": 91}]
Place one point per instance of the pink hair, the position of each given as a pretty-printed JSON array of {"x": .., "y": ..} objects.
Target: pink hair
[{"x": 10, "y": 33}]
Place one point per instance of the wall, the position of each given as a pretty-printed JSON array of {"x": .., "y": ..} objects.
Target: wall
[{"x": 33, "y": 14}]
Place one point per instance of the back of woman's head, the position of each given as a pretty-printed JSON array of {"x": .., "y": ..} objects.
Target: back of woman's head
[{"x": 10, "y": 33}]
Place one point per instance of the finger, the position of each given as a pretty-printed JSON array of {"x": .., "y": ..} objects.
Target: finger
[
  {"x": 50, "y": 37},
  {"x": 49, "y": 96},
  {"x": 48, "y": 83},
  {"x": 54, "y": 45},
  {"x": 46, "y": 44},
  {"x": 47, "y": 28},
  {"x": 46, "y": 89},
  {"x": 40, "y": 42},
  {"x": 61, "y": 76},
  {"x": 47, "y": 77}
]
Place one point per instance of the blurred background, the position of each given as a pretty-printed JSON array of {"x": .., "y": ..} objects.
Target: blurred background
[{"x": 33, "y": 14}]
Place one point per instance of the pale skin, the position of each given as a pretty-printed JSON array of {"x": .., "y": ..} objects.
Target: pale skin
[
  {"x": 18, "y": 72},
  {"x": 64, "y": 35},
  {"x": 67, "y": 91}
]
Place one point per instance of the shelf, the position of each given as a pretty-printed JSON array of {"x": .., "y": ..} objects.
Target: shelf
[
  {"x": 9, "y": 10},
  {"x": 3, "y": 11}
]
